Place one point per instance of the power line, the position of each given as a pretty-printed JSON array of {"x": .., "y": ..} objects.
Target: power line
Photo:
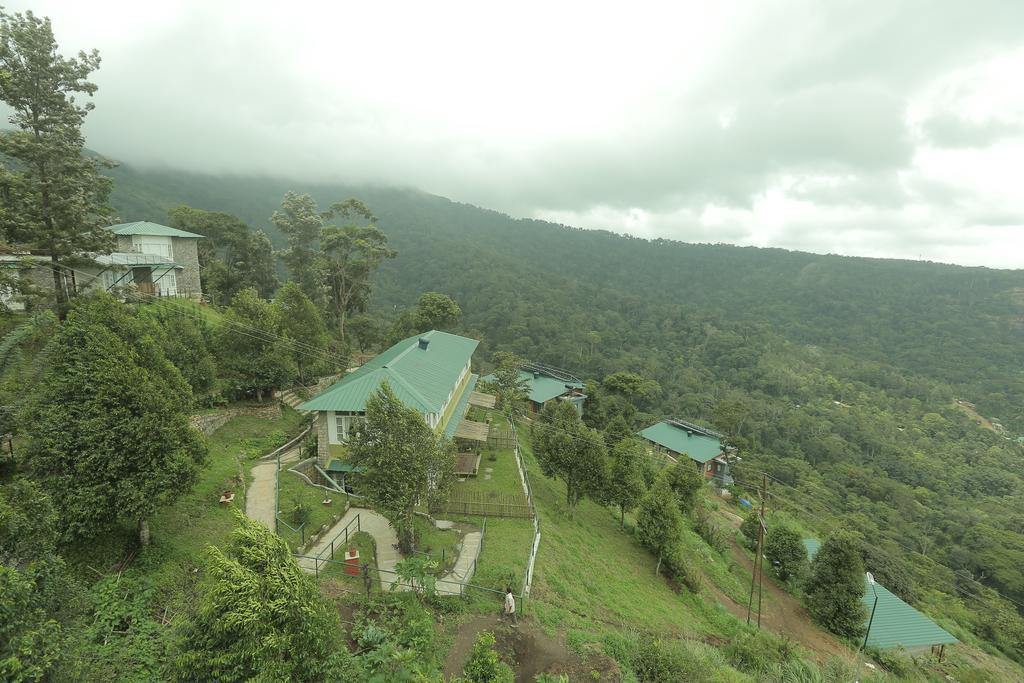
[
  {"x": 831, "y": 516},
  {"x": 833, "y": 512}
]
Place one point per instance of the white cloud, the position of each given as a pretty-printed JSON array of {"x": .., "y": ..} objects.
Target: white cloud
[{"x": 819, "y": 126}]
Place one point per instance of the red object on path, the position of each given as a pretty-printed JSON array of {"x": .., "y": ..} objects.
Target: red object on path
[{"x": 352, "y": 562}]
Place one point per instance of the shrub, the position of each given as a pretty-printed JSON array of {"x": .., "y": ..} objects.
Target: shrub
[
  {"x": 757, "y": 652},
  {"x": 749, "y": 529},
  {"x": 665, "y": 661},
  {"x": 785, "y": 550},
  {"x": 483, "y": 665},
  {"x": 895, "y": 662},
  {"x": 677, "y": 568},
  {"x": 300, "y": 512},
  {"x": 712, "y": 533}
]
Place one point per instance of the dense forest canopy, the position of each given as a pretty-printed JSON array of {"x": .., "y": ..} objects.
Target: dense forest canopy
[
  {"x": 959, "y": 326},
  {"x": 837, "y": 376}
]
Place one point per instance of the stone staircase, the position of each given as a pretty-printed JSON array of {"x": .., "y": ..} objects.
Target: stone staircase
[{"x": 292, "y": 400}]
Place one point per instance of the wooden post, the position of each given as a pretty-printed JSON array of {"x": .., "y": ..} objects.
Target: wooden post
[{"x": 760, "y": 551}]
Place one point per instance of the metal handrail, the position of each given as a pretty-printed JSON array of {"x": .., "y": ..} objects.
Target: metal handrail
[{"x": 359, "y": 528}]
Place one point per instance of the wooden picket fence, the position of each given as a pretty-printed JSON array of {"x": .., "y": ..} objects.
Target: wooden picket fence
[
  {"x": 489, "y": 505},
  {"x": 501, "y": 438}
]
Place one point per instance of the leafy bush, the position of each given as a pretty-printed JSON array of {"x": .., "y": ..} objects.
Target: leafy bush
[
  {"x": 785, "y": 550},
  {"x": 712, "y": 533},
  {"x": 483, "y": 665},
  {"x": 758, "y": 651},
  {"x": 896, "y": 662},
  {"x": 749, "y": 529},
  {"x": 677, "y": 568},
  {"x": 300, "y": 512},
  {"x": 666, "y": 661}
]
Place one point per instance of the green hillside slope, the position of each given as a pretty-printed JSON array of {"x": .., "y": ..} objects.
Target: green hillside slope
[{"x": 837, "y": 376}]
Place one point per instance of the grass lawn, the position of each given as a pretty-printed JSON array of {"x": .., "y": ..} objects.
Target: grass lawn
[
  {"x": 438, "y": 543},
  {"x": 295, "y": 492},
  {"x": 367, "y": 547},
  {"x": 504, "y": 479},
  {"x": 588, "y": 570},
  {"x": 182, "y": 531},
  {"x": 504, "y": 554}
]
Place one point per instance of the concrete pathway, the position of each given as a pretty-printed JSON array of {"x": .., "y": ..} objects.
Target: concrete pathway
[
  {"x": 259, "y": 498},
  {"x": 462, "y": 572},
  {"x": 370, "y": 522}
]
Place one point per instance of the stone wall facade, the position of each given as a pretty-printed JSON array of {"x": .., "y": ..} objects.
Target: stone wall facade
[
  {"x": 208, "y": 423},
  {"x": 323, "y": 443},
  {"x": 186, "y": 255}
]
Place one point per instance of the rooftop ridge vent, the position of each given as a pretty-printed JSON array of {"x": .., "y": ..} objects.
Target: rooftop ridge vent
[
  {"x": 550, "y": 371},
  {"x": 691, "y": 428}
]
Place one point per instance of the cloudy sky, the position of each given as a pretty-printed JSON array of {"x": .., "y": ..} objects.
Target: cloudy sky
[{"x": 879, "y": 127}]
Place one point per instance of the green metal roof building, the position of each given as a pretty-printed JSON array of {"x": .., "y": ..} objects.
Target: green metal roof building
[
  {"x": 703, "y": 446},
  {"x": 896, "y": 624},
  {"x": 545, "y": 383},
  {"x": 147, "y": 228},
  {"x": 429, "y": 372}
]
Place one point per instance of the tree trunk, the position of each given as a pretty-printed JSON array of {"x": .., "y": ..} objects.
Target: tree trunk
[
  {"x": 657, "y": 568},
  {"x": 143, "y": 532},
  {"x": 259, "y": 394},
  {"x": 622, "y": 517}
]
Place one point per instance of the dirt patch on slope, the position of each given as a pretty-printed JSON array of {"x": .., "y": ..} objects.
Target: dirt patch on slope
[
  {"x": 528, "y": 650},
  {"x": 782, "y": 614}
]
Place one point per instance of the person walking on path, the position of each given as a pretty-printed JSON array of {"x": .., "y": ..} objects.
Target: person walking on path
[{"x": 510, "y": 606}]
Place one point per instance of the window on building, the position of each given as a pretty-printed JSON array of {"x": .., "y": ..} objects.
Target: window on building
[
  {"x": 346, "y": 423},
  {"x": 153, "y": 244},
  {"x": 168, "y": 283}
]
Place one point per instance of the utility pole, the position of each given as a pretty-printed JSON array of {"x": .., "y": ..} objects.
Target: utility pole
[
  {"x": 762, "y": 530},
  {"x": 755, "y": 576}
]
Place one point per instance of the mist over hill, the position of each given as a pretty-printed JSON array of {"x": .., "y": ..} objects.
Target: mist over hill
[{"x": 956, "y": 325}]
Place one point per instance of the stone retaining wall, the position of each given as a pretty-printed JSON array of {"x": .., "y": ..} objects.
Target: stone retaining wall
[{"x": 208, "y": 423}]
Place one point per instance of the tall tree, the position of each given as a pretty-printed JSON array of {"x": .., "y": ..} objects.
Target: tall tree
[
  {"x": 108, "y": 438},
  {"x": 436, "y": 311},
  {"x": 301, "y": 223},
  {"x": 232, "y": 255},
  {"x": 512, "y": 388},
  {"x": 253, "y": 354},
  {"x": 351, "y": 254},
  {"x": 686, "y": 483},
  {"x": 836, "y": 586},
  {"x": 260, "y": 618},
  {"x": 186, "y": 342},
  {"x": 55, "y": 198},
  {"x": 404, "y": 461},
  {"x": 301, "y": 321},
  {"x": 626, "y": 484},
  {"x": 785, "y": 549},
  {"x": 659, "y": 524},
  {"x": 30, "y": 582},
  {"x": 569, "y": 450}
]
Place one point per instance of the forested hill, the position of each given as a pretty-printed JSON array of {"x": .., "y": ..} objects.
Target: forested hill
[
  {"x": 836, "y": 376},
  {"x": 961, "y": 326}
]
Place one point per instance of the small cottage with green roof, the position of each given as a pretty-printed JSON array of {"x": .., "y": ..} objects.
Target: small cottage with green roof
[
  {"x": 147, "y": 258},
  {"x": 895, "y": 623},
  {"x": 678, "y": 439},
  {"x": 545, "y": 383},
  {"x": 429, "y": 372}
]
